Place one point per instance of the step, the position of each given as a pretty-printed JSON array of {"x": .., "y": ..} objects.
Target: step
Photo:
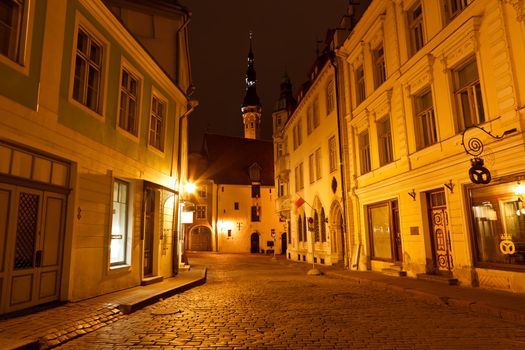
[
  {"x": 438, "y": 278},
  {"x": 150, "y": 280},
  {"x": 394, "y": 271}
]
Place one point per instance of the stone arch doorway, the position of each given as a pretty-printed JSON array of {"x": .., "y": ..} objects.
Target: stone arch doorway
[
  {"x": 254, "y": 243},
  {"x": 200, "y": 239},
  {"x": 283, "y": 243},
  {"x": 337, "y": 232}
]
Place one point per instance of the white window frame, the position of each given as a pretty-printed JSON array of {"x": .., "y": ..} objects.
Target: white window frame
[
  {"x": 155, "y": 94},
  {"x": 82, "y": 23},
  {"x": 201, "y": 212},
  {"x": 133, "y": 73},
  {"x": 126, "y": 231}
]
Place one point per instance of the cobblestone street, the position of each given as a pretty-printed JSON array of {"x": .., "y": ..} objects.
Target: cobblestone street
[{"x": 253, "y": 302}]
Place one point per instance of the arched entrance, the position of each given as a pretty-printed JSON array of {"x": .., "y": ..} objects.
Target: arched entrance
[
  {"x": 283, "y": 243},
  {"x": 254, "y": 243},
  {"x": 337, "y": 232},
  {"x": 201, "y": 239}
]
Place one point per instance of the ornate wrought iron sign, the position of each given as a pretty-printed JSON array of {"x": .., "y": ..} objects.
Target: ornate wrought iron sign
[{"x": 478, "y": 173}]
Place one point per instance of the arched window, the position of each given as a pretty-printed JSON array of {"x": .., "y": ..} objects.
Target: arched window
[
  {"x": 300, "y": 229},
  {"x": 323, "y": 226},
  {"x": 316, "y": 226},
  {"x": 304, "y": 228}
]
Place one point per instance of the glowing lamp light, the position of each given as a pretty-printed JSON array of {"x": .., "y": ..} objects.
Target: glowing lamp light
[
  {"x": 190, "y": 187},
  {"x": 519, "y": 190}
]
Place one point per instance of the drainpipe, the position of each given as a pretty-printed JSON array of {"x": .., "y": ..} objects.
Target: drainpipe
[
  {"x": 217, "y": 220},
  {"x": 177, "y": 47},
  {"x": 341, "y": 158}
]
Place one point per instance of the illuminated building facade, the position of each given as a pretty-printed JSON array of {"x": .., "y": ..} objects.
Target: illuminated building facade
[
  {"x": 92, "y": 146},
  {"x": 421, "y": 79}
]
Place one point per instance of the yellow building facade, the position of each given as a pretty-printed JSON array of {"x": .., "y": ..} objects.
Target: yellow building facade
[{"x": 424, "y": 84}]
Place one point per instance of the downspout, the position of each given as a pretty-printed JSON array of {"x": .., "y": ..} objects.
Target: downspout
[
  {"x": 217, "y": 220},
  {"x": 190, "y": 107},
  {"x": 341, "y": 158},
  {"x": 177, "y": 47}
]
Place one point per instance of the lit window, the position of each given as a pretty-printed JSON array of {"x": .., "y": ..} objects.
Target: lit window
[
  {"x": 415, "y": 26},
  {"x": 332, "y": 153},
  {"x": 11, "y": 29},
  {"x": 119, "y": 228},
  {"x": 426, "y": 134},
  {"x": 360, "y": 84},
  {"x": 385, "y": 242},
  {"x": 364, "y": 152},
  {"x": 384, "y": 135},
  {"x": 157, "y": 123},
  {"x": 468, "y": 96},
  {"x": 379, "y": 66},
  {"x": 88, "y": 71},
  {"x": 128, "y": 114}
]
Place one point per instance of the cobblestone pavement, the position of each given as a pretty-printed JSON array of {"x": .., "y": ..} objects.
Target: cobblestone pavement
[{"x": 253, "y": 302}]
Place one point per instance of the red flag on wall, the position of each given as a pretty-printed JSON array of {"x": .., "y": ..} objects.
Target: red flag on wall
[{"x": 300, "y": 201}]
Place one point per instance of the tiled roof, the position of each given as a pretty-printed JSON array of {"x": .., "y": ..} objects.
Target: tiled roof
[{"x": 228, "y": 160}]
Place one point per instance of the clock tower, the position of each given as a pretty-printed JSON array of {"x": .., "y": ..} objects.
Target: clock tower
[{"x": 251, "y": 108}]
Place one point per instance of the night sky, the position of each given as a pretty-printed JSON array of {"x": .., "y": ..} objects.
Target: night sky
[{"x": 285, "y": 33}]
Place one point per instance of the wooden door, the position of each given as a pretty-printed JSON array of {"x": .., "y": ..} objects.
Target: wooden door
[
  {"x": 443, "y": 259},
  {"x": 149, "y": 229}
]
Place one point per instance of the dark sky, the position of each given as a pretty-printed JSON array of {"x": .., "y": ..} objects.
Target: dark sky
[{"x": 284, "y": 37}]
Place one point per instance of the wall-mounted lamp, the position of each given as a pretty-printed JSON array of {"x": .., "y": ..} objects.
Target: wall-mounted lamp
[
  {"x": 450, "y": 186},
  {"x": 412, "y": 194},
  {"x": 326, "y": 220}
]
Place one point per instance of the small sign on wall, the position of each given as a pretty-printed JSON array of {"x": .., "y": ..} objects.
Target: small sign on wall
[{"x": 414, "y": 231}]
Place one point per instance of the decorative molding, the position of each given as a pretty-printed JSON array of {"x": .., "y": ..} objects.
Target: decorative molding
[
  {"x": 519, "y": 6},
  {"x": 461, "y": 44}
]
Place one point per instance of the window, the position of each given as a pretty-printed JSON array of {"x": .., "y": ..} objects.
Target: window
[
  {"x": 364, "y": 152},
  {"x": 201, "y": 191},
  {"x": 236, "y": 206},
  {"x": 468, "y": 96},
  {"x": 454, "y": 7},
  {"x": 87, "y": 83},
  {"x": 256, "y": 191},
  {"x": 384, "y": 135},
  {"x": 426, "y": 134},
  {"x": 415, "y": 26},
  {"x": 316, "y": 226},
  {"x": 200, "y": 211},
  {"x": 297, "y": 135},
  {"x": 309, "y": 120},
  {"x": 119, "y": 228},
  {"x": 316, "y": 113},
  {"x": 330, "y": 98},
  {"x": 332, "y": 153},
  {"x": 360, "y": 84},
  {"x": 311, "y": 167},
  {"x": 157, "y": 123},
  {"x": 128, "y": 113},
  {"x": 498, "y": 224},
  {"x": 379, "y": 66},
  {"x": 323, "y": 226},
  {"x": 256, "y": 213},
  {"x": 318, "y": 172},
  {"x": 300, "y": 228},
  {"x": 12, "y": 29},
  {"x": 299, "y": 177}
]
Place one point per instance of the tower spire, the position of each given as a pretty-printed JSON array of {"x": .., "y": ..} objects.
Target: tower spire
[{"x": 251, "y": 108}]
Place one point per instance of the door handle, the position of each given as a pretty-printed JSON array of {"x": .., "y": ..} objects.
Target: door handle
[{"x": 38, "y": 258}]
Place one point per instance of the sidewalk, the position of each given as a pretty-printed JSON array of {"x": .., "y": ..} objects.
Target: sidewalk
[
  {"x": 501, "y": 304},
  {"x": 53, "y": 326}
]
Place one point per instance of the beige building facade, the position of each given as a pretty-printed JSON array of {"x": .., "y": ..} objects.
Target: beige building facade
[
  {"x": 425, "y": 84},
  {"x": 92, "y": 143}
]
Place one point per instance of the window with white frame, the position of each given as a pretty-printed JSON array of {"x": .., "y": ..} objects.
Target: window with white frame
[
  {"x": 360, "y": 84},
  {"x": 157, "y": 123},
  {"x": 311, "y": 167},
  {"x": 378, "y": 55},
  {"x": 454, "y": 7},
  {"x": 332, "y": 153},
  {"x": 415, "y": 27},
  {"x": 119, "y": 229},
  {"x": 200, "y": 211},
  {"x": 87, "y": 84},
  {"x": 330, "y": 98},
  {"x": 12, "y": 26},
  {"x": 129, "y": 102},
  {"x": 318, "y": 164},
  {"x": 384, "y": 135},
  {"x": 468, "y": 96},
  {"x": 364, "y": 152},
  {"x": 425, "y": 124}
]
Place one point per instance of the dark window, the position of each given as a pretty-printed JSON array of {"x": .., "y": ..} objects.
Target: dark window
[
  {"x": 468, "y": 96},
  {"x": 256, "y": 213},
  {"x": 236, "y": 205},
  {"x": 256, "y": 191}
]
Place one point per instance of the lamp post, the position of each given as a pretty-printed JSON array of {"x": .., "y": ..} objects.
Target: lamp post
[{"x": 313, "y": 271}]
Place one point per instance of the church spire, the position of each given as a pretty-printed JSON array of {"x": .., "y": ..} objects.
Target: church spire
[{"x": 251, "y": 108}]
